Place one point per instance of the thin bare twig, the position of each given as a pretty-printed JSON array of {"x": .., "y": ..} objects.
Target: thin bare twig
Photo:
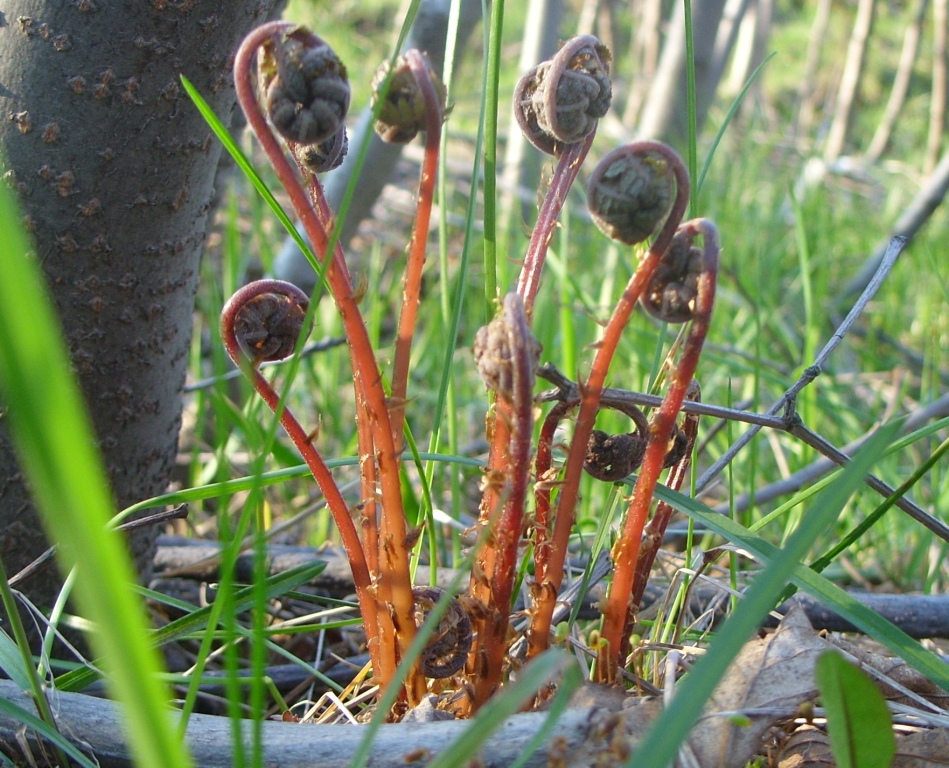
[
  {"x": 937, "y": 409},
  {"x": 178, "y": 513},
  {"x": 789, "y": 422},
  {"x": 889, "y": 259}
]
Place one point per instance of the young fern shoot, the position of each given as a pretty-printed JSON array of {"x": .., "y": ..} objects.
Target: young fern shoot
[
  {"x": 557, "y": 104},
  {"x": 634, "y": 191},
  {"x": 303, "y": 100},
  {"x": 682, "y": 288}
]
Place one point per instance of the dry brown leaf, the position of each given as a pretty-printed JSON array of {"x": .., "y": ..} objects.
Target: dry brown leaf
[
  {"x": 774, "y": 674},
  {"x": 897, "y": 670},
  {"x": 923, "y": 749}
]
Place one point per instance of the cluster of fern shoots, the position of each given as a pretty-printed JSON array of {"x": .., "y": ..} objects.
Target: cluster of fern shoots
[{"x": 294, "y": 91}]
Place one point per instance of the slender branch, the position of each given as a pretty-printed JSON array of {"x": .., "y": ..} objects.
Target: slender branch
[
  {"x": 889, "y": 259},
  {"x": 567, "y": 392}
]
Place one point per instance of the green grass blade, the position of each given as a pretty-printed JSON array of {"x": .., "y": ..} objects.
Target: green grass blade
[
  {"x": 870, "y": 520},
  {"x": 25, "y": 672},
  {"x": 843, "y": 604},
  {"x": 222, "y": 134},
  {"x": 492, "y": 76},
  {"x": 56, "y": 448},
  {"x": 858, "y": 721},
  {"x": 11, "y": 662},
  {"x": 729, "y": 116},
  {"x": 661, "y": 743},
  {"x": 273, "y": 477}
]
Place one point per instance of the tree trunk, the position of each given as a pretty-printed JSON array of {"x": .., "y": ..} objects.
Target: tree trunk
[
  {"x": 521, "y": 162},
  {"x": 644, "y": 55},
  {"x": 730, "y": 33},
  {"x": 850, "y": 80},
  {"x": 115, "y": 168},
  {"x": 665, "y": 114},
  {"x": 751, "y": 48},
  {"x": 808, "y": 92},
  {"x": 937, "y": 105},
  {"x": 904, "y": 72}
]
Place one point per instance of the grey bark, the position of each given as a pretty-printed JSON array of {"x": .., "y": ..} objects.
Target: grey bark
[
  {"x": 665, "y": 113},
  {"x": 584, "y": 736},
  {"x": 904, "y": 71},
  {"x": 850, "y": 80},
  {"x": 115, "y": 168}
]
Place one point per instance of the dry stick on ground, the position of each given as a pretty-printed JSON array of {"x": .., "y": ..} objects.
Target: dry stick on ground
[
  {"x": 196, "y": 561},
  {"x": 586, "y": 734}
]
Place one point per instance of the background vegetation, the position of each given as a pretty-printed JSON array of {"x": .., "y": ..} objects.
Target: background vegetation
[{"x": 793, "y": 240}]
